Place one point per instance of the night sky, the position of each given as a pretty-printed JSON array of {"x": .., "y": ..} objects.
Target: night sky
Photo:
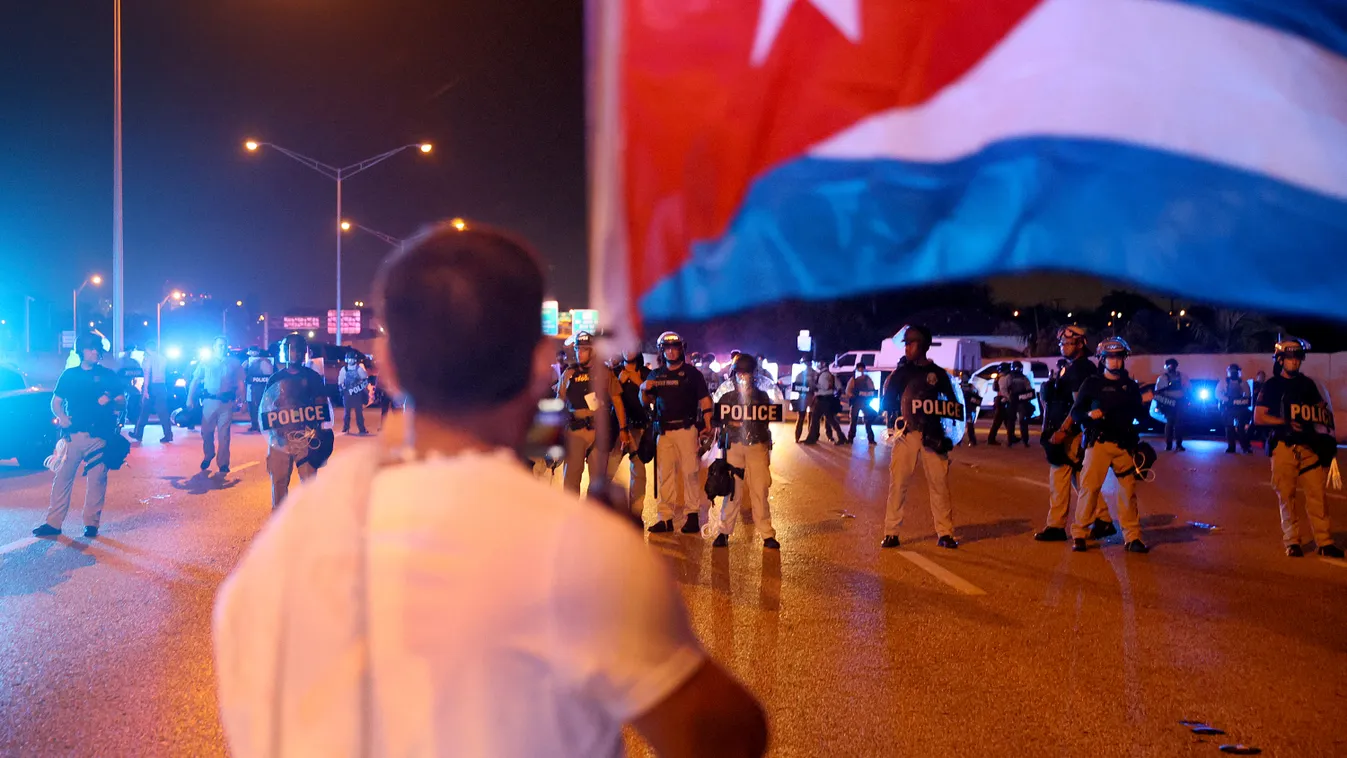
[{"x": 497, "y": 86}]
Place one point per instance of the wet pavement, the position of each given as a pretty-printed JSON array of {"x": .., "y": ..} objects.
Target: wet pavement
[{"x": 1003, "y": 647}]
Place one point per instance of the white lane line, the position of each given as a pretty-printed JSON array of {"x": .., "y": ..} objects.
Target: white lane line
[
  {"x": 17, "y": 544},
  {"x": 941, "y": 573},
  {"x": 1027, "y": 480},
  {"x": 237, "y": 469},
  {"x": 1330, "y": 561}
]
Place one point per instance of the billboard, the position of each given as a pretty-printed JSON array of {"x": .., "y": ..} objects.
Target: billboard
[
  {"x": 301, "y": 323},
  {"x": 350, "y": 321},
  {"x": 584, "y": 320},
  {"x": 551, "y": 323}
]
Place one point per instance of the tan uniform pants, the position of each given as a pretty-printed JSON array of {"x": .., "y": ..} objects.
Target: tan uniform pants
[
  {"x": 1287, "y": 462},
  {"x": 756, "y": 462},
  {"x": 677, "y": 466},
  {"x": 1059, "y": 487},
  {"x": 907, "y": 451},
  {"x": 580, "y": 449},
  {"x": 635, "y": 472},
  {"x": 1099, "y": 459},
  {"x": 279, "y": 464}
]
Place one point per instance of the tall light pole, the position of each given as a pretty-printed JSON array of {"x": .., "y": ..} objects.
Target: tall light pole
[
  {"x": 28, "y": 323},
  {"x": 224, "y": 320},
  {"x": 75, "y": 302},
  {"x": 338, "y": 175},
  {"x": 118, "y": 280},
  {"x": 159, "y": 316}
]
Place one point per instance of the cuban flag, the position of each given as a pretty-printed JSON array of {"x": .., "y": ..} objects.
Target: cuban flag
[{"x": 749, "y": 151}]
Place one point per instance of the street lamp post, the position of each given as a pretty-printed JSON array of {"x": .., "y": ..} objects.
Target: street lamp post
[
  {"x": 118, "y": 280},
  {"x": 28, "y": 323},
  {"x": 75, "y": 302},
  {"x": 390, "y": 239},
  {"x": 159, "y": 316},
  {"x": 338, "y": 175},
  {"x": 224, "y": 320}
]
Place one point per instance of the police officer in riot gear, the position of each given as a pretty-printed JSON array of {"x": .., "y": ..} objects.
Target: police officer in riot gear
[
  {"x": 682, "y": 420},
  {"x": 1019, "y": 403},
  {"x": 972, "y": 403},
  {"x": 578, "y": 388},
  {"x": 1236, "y": 409},
  {"x": 1170, "y": 395},
  {"x": 924, "y": 397},
  {"x": 257, "y": 371},
  {"x": 1001, "y": 407},
  {"x": 748, "y": 450},
  {"x": 631, "y": 373},
  {"x": 1061, "y": 437},
  {"x": 295, "y": 413},
  {"x": 1108, "y": 405},
  {"x": 1296, "y": 411},
  {"x": 860, "y": 392}
]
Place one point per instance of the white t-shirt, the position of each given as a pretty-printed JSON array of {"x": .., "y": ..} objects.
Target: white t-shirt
[{"x": 506, "y": 618}]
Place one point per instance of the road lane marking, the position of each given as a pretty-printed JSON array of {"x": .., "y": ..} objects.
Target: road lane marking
[
  {"x": 941, "y": 573},
  {"x": 18, "y": 544},
  {"x": 237, "y": 469},
  {"x": 1330, "y": 561}
]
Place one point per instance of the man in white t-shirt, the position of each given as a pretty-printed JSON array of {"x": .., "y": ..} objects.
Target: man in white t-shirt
[{"x": 443, "y": 602}]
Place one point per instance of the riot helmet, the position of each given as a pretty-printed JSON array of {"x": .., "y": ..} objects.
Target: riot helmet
[
  {"x": 1113, "y": 348},
  {"x": 1171, "y": 364},
  {"x": 1070, "y": 338},
  {"x": 254, "y": 351},
  {"x": 745, "y": 363},
  {"x": 913, "y": 333},
  {"x": 1289, "y": 349},
  {"x": 91, "y": 341},
  {"x": 352, "y": 357},
  {"x": 292, "y": 350},
  {"x": 1233, "y": 371},
  {"x": 671, "y": 341},
  {"x": 583, "y": 341}
]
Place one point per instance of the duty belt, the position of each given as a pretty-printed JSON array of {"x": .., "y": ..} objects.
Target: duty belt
[
  {"x": 224, "y": 397},
  {"x": 577, "y": 424},
  {"x": 676, "y": 424}
]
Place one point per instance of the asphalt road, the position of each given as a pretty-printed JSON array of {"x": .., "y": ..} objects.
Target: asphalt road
[{"x": 1003, "y": 647}]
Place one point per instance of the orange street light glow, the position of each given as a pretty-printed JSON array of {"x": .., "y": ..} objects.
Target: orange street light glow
[
  {"x": 251, "y": 145},
  {"x": 426, "y": 147},
  {"x": 346, "y": 226},
  {"x": 459, "y": 224},
  {"x": 96, "y": 279}
]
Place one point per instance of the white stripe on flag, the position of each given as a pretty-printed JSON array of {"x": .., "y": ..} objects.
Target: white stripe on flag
[{"x": 1163, "y": 75}]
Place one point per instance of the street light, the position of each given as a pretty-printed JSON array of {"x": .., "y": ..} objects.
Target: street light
[
  {"x": 159, "y": 315},
  {"x": 347, "y": 225},
  {"x": 224, "y": 320},
  {"x": 95, "y": 280},
  {"x": 338, "y": 175},
  {"x": 459, "y": 224}
]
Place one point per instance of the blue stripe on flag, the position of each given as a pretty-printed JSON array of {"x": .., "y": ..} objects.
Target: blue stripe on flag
[
  {"x": 818, "y": 229},
  {"x": 1323, "y": 22}
]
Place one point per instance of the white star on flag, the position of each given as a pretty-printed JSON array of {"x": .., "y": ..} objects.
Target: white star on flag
[{"x": 845, "y": 15}]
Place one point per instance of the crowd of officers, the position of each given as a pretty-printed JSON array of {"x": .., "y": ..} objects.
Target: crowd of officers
[
  {"x": 1090, "y": 414},
  {"x": 663, "y": 415}
]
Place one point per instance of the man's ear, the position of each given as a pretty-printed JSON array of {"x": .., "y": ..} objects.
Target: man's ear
[
  {"x": 388, "y": 374},
  {"x": 544, "y": 355}
]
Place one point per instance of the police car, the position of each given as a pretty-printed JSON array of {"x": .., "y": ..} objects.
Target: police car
[
  {"x": 28, "y": 430},
  {"x": 984, "y": 380}
]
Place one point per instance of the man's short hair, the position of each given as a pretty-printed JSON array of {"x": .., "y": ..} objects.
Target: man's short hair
[{"x": 462, "y": 310}]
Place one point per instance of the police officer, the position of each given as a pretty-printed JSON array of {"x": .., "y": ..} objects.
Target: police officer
[
  {"x": 860, "y": 391},
  {"x": 85, "y": 404},
  {"x": 749, "y": 445},
  {"x": 1291, "y": 406},
  {"x": 1001, "y": 407},
  {"x": 972, "y": 403},
  {"x": 353, "y": 382},
  {"x": 1169, "y": 397},
  {"x": 803, "y": 389},
  {"x": 296, "y": 415},
  {"x": 923, "y": 395},
  {"x": 682, "y": 421},
  {"x": 216, "y": 385},
  {"x": 257, "y": 371},
  {"x": 1108, "y": 405},
  {"x": 630, "y": 375},
  {"x": 1061, "y": 437},
  {"x": 577, "y": 388},
  {"x": 1021, "y": 407},
  {"x": 824, "y": 409},
  {"x": 1236, "y": 407}
]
